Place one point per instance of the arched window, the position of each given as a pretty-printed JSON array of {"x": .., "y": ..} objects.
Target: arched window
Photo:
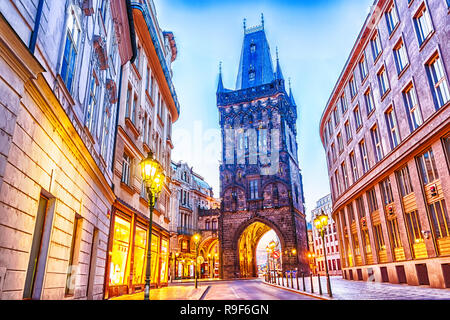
[
  {"x": 214, "y": 224},
  {"x": 207, "y": 224}
]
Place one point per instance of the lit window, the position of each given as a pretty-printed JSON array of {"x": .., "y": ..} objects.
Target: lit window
[
  {"x": 438, "y": 81},
  {"x": 422, "y": 23},
  {"x": 412, "y": 107}
]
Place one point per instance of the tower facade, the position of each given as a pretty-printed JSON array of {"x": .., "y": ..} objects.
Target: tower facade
[{"x": 260, "y": 179}]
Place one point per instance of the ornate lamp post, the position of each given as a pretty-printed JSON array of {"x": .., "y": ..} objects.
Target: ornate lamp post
[
  {"x": 153, "y": 178},
  {"x": 196, "y": 237},
  {"x": 321, "y": 222}
]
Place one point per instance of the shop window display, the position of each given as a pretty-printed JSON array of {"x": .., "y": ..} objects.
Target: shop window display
[
  {"x": 120, "y": 250},
  {"x": 140, "y": 253},
  {"x": 155, "y": 258}
]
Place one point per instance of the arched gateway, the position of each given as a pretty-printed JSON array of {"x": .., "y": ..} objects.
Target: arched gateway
[{"x": 261, "y": 184}]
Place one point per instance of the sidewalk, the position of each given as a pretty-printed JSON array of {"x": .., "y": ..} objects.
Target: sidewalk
[
  {"x": 363, "y": 290},
  {"x": 169, "y": 293}
]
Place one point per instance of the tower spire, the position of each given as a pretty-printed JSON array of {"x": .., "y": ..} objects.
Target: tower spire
[
  {"x": 262, "y": 20},
  {"x": 220, "y": 84},
  {"x": 291, "y": 96},
  {"x": 279, "y": 73}
]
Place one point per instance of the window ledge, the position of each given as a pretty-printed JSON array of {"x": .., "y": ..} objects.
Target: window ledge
[
  {"x": 385, "y": 94},
  {"x": 127, "y": 188},
  {"x": 132, "y": 127},
  {"x": 403, "y": 71},
  {"x": 394, "y": 30},
  {"x": 427, "y": 39},
  {"x": 378, "y": 57},
  {"x": 371, "y": 113}
]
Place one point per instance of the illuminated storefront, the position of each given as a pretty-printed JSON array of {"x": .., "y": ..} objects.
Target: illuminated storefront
[{"x": 127, "y": 256}]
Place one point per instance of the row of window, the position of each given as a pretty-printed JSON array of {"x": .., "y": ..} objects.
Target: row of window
[
  {"x": 440, "y": 221},
  {"x": 333, "y": 265},
  {"x": 340, "y": 181},
  {"x": 434, "y": 69}
]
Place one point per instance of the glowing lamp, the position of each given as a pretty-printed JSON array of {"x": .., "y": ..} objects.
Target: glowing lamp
[{"x": 152, "y": 174}]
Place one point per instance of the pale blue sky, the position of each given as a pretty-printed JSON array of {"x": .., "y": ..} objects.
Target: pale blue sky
[{"x": 314, "y": 39}]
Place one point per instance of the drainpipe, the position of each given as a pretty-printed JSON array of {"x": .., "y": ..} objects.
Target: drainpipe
[{"x": 37, "y": 22}]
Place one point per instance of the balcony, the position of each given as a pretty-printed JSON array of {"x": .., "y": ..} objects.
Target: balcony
[{"x": 185, "y": 231}]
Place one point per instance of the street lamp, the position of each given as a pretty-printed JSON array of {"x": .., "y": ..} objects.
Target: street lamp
[
  {"x": 311, "y": 257},
  {"x": 321, "y": 222},
  {"x": 153, "y": 178},
  {"x": 196, "y": 238}
]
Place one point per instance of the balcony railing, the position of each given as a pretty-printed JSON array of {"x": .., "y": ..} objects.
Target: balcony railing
[{"x": 185, "y": 231}]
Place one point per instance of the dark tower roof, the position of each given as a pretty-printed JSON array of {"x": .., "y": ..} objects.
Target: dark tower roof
[
  {"x": 255, "y": 67},
  {"x": 279, "y": 73}
]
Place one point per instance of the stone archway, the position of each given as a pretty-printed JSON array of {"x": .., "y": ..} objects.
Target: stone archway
[{"x": 246, "y": 241}]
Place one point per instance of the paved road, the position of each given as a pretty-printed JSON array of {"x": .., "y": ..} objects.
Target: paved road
[{"x": 249, "y": 290}]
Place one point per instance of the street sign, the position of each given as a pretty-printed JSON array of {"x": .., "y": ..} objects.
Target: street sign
[{"x": 276, "y": 254}]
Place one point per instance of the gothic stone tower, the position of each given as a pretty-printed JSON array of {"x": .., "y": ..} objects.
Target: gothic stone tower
[{"x": 260, "y": 179}]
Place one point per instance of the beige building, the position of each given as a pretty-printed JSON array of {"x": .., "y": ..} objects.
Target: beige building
[
  {"x": 148, "y": 107},
  {"x": 194, "y": 210},
  {"x": 60, "y": 64}
]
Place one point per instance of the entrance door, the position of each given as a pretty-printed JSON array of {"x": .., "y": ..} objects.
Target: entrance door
[{"x": 422, "y": 274}]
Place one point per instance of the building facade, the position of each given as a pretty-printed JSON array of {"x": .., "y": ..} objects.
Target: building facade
[
  {"x": 386, "y": 132},
  {"x": 260, "y": 179},
  {"x": 60, "y": 65},
  {"x": 193, "y": 203},
  {"x": 324, "y": 205},
  {"x": 148, "y": 107}
]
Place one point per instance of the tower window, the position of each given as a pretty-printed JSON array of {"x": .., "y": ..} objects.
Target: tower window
[
  {"x": 252, "y": 48},
  {"x": 251, "y": 75}
]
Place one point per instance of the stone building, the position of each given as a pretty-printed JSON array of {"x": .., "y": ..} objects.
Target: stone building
[
  {"x": 331, "y": 242},
  {"x": 192, "y": 204},
  {"x": 60, "y": 66},
  {"x": 385, "y": 130},
  {"x": 148, "y": 107},
  {"x": 260, "y": 180}
]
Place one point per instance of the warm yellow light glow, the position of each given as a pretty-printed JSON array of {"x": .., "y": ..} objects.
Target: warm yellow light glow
[
  {"x": 294, "y": 251},
  {"x": 196, "y": 237}
]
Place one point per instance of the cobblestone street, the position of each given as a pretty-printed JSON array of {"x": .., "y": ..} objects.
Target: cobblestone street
[{"x": 362, "y": 290}]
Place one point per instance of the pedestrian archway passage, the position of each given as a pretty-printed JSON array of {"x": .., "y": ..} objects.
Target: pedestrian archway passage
[{"x": 247, "y": 245}]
